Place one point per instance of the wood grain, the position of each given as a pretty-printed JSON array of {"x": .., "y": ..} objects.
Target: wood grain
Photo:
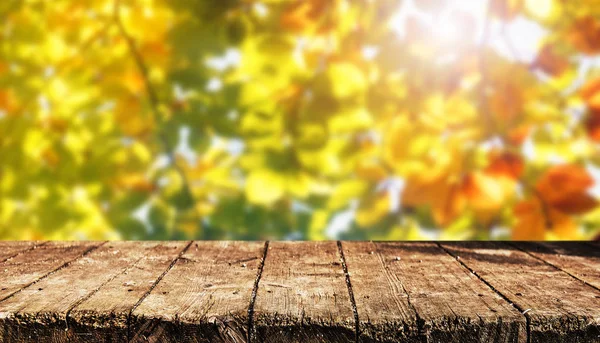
[
  {"x": 42, "y": 310},
  {"x": 104, "y": 316},
  {"x": 302, "y": 295},
  {"x": 32, "y": 265},
  {"x": 430, "y": 281},
  {"x": 580, "y": 260},
  {"x": 299, "y": 292},
  {"x": 9, "y": 249},
  {"x": 384, "y": 309},
  {"x": 559, "y": 307},
  {"x": 203, "y": 298}
]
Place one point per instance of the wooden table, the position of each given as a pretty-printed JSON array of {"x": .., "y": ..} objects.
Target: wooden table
[{"x": 299, "y": 292}]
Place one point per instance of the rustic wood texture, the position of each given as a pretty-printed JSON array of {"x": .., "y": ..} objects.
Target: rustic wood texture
[
  {"x": 203, "y": 298},
  {"x": 104, "y": 315},
  {"x": 27, "y": 268},
  {"x": 299, "y": 292},
  {"x": 302, "y": 295},
  {"x": 384, "y": 308},
  {"x": 42, "y": 310},
  {"x": 9, "y": 249},
  {"x": 430, "y": 281},
  {"x": 559, "y": 308},
  {"x": 580, "y": 260}
]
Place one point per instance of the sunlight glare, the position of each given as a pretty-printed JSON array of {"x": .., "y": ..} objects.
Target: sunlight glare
[{"x": 517, "y": 40}]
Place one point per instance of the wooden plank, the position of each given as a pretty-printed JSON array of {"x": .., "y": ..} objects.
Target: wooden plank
[
  {"x": 302, "y": 295},
  {"x": 104, "y": 317},
  {"x": 26, "y": 268},
  {"x": 430, "y": 281},
  {"x": 580, "y": 260},
  {"x": 10, "y": 249},
  {"x": 203, "y": 298},
  {"x": 42, "y": 310},
  {"x": 559, "y": 308},
  {"x": 384, "y": 310}
]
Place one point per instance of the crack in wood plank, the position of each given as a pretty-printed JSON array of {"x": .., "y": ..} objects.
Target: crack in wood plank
[
  {"x": 10, "y": 251},
  {"x": 390, "y": 276},
  {"x": 328, "y": 291},
  {"x": 251, "y": 329},
  {"x": 156, "y": 282},
  {"x": 523, "y": 312},
  {"x": 350, "y": 291},
  {"x": 517, "y": 246},
  {"x": 559, "y": 308},
  {"x": 51, "y": 272},
  {"x": 195, "y": 301}
]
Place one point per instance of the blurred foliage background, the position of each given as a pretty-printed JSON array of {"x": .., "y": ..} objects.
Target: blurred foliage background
[{"x": 312, "y": 119}]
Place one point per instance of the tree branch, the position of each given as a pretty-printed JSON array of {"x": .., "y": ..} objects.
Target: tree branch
[{"x": 154, "y": 105}]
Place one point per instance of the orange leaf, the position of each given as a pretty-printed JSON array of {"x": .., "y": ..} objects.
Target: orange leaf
[
  {"x": 575, "y": 205},
  {"x": 487, "y": 193},
  {"x": 590, "y": 93},
  {"x": 507, "y": 102},
  {"x": 301, "y": 15},
  {"x": 590, "y": 89},
  {"x": 505, "y": 164},
  {"x": 585, "y": 35},
  {"x": 135, "y": 182},
  {"x": 534, "y": 222},
  {"x": 550, "y": 62},
  {"x": 564, "y": 187},
  {"x": 592, "y": 124},
  {"x": 446, "y": 199},
  {"x": 517, "y": 135},
  {"x": 8, "y": 101}
]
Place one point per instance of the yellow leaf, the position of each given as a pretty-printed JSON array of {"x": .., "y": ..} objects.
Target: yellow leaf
[
  {"x": 346, "y": 80},
  {"x": 318, "y": 224},
  {"x": 298, "y": 184},
  {"x": 542, "y": 9},
  {"x": 373, "y": 210},
  {"x": 371, "y": 170},
  {"x": 264, "y": 187},
  {"x": 350, "y": 121},
  {"x": 345, "y": 192},
  {"x": 487, "y": 194}
]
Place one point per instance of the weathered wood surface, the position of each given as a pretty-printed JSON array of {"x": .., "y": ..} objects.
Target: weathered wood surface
[
  {"x": 558, "y": 307},
  {"x": 27, "y": 268},
  {"x": 385, "y": 309},
  {"x": 427, "y": 280},
  {"x": 203, "y": 298},
  {"x": 302, "y": 295},
  {"x": 299, "y": 292},
  {"x": 10, "y": 250},
  {"x": 104, "y": 315},
  {"x": 582, "y": 261}
]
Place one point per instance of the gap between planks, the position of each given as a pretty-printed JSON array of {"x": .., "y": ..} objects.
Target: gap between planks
[
  {"x": 348, "y": 281},
  {"x": 250, "y": 327},
  {"x": 158, "y": 280},
  {"x": 464, "y": 265},
  {"x": 259, "y": 272},
  {"x": 34, "y": 246},
  {"x": 350, "y": 292},
  {"x": 62, "y": 266},
  {"x": 552, "y": 265}
]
